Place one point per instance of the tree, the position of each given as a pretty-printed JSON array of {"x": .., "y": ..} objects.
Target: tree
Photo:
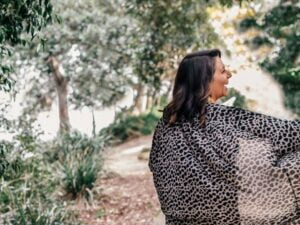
[
  {"x": 166, "y": 31},
  {"x": 85, "y": 61},
  {"x": 16, "y": 19},
  {"x": 278, "y": 30},
  {"x": 104, "y": 47}
]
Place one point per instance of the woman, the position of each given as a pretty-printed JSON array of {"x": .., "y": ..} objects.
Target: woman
[{"x": 223, "y": 165}]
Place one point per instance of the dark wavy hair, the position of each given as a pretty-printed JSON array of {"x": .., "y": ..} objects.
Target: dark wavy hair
[{"x": 191, "y": 87}]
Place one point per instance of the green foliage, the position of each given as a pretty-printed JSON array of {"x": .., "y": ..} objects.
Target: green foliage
[
  {"x": 247, "y": 23},
  {"x": 26, "y": 189},
  {"x": 17, "y": 18},
  {"x": 230, "y": 3},
  {"x": 4, "y": 148},
  {"x": 30, "y": 214},
  {"x": 79, "y": 163},
  {"x": 80, "y": 177},
  {"x": 166, "y": 30},
  {"x": 91, "y": 45},
  {"x": 125, "y": 127},
  {"x": 31, "y": 178},
  {"x": 279, "y": 29},
  {"x": 259, "y": 41},
  {"x": 25, "y": 177},
  {"x": 109, "y": 46}
]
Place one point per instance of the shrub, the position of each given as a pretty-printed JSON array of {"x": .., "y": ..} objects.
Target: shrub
[
  {"x": 79, "y": 162},
  {"x": 127, "y": 127},
  {"x": 24, "y": 176},
  {"x": 37, "y": 215},
  {"x": 28, "y": 184},
  {"x": 4, "y": 148}
]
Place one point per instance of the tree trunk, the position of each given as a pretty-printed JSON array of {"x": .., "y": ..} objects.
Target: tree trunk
[
  {"x": 61, "y": 84},
  {"x": 169, "y": 92},
  {"x": 149, "y": 103},
  {"x": 138, "y": 100}
]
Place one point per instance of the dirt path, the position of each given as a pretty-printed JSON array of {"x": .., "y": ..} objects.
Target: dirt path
[{"x": 127, "y": 195}]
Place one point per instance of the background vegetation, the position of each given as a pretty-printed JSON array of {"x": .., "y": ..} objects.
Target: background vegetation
[{"x": 89, "y": 54}]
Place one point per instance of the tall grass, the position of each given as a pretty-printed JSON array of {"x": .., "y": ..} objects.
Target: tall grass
[
  {"x": 33, "y": 173},
  {"x": 79, "y": 163}
]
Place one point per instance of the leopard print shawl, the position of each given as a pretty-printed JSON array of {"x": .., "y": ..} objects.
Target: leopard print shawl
[{"x": 243, "y": 167}]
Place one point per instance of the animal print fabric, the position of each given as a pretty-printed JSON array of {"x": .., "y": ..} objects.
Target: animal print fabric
[{"x": 243, "y": 167}]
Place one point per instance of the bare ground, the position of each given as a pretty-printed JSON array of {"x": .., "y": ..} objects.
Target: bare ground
[{"x": 127, "y": 195}]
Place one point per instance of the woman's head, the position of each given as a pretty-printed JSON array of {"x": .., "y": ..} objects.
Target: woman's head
[
  {"x": 217, "y": 88},
  {"x": 201, "y": 75}
]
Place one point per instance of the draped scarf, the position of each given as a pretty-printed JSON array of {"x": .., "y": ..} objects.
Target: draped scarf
[{"x": 243, "y": 167}]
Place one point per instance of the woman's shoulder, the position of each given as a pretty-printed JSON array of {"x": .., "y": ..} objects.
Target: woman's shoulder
[
  {"x": 219, "y": 106},
  {"x": 211, "y": 109},
  {"x": 225, "y": 110}
]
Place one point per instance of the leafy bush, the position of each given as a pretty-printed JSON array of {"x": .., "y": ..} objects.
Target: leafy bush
[
  {"x": 124, "y": 128},
  {"x": 278, "y": 30},
  {"x": 37, "y": 215},
  {"x": 24, "y": 177},
  {"x": 28, "y": 184},
  {"x": 79, "y": 162},
  {"x": 26, "y": 191},
  {"x": 3, "y": 158}
]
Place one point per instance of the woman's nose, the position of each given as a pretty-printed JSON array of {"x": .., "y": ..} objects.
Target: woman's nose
[{"x": 228, "y": 74}]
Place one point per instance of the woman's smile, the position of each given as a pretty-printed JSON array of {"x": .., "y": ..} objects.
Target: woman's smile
[{"x": 218, "y": 87}]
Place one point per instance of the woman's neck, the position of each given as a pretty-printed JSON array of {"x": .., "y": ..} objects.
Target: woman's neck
[{"x": 212, "y": 100}]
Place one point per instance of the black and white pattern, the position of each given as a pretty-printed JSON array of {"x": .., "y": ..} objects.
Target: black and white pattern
[{"x": 242, "y": 168}]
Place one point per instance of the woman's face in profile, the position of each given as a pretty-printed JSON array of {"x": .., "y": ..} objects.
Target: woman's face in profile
[{"x": 220, "y": 79}]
